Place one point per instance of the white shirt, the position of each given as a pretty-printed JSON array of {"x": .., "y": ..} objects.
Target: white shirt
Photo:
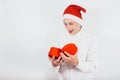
[{"x": 86, "y": 44}]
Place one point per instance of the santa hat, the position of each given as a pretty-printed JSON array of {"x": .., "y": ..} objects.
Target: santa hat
[{"x": 74, "y": 12}]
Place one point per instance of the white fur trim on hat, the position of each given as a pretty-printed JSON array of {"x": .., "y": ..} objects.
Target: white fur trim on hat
[{"x": 69, "y": 16}]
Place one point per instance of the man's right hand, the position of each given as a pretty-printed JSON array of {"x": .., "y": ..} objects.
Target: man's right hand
[{"x": 56, "y": 62}]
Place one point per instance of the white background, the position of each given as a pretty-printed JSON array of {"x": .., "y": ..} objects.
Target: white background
[{"x": 28, "y": 26}]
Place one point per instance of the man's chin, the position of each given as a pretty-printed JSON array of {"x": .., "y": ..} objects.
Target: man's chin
[{"x": 72, "y": 33}]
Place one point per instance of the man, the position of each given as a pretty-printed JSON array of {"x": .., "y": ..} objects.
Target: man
[{"x": 82, "y": 65}]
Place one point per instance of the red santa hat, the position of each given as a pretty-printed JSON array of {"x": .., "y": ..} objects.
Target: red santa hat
[{"x": 74, "y": 12}]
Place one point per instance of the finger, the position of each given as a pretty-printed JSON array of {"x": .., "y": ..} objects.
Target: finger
[
  {"x": 61, "y": 61},
  {"x": 64, "y": 57},
  {"x": 53, "y": 58},
  {"x": 50, "y": 59},
  {"x": 55, "y": 64},
  {"x": 66, "y": 53},
  {"x": 58, "y": 60}
]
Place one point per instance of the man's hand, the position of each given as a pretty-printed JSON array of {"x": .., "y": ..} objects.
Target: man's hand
[
  {"x": 72, "y": 59},
  {"x": 56, "y": 62}
]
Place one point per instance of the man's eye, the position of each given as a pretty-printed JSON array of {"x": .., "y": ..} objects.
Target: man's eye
[
  {"x": 65, "y": 24},
  {"x": 70, "y": 23}
]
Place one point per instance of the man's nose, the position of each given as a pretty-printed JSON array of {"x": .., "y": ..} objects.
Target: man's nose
[{"x": 68, "y": 26}]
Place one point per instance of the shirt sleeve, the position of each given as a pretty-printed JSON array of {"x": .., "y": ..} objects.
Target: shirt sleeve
[{"x": 90, "y": 63}]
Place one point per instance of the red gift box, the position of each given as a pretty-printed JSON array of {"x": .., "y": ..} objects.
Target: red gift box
[
  {"x": 71, "y": 48},
  {"x": 54, "y": 51}
]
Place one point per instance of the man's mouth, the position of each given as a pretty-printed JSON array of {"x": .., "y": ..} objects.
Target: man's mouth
[{"x": 70, "y": 31}]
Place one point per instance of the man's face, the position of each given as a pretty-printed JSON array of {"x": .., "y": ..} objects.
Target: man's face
[{"x": 72, "y": 26}]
